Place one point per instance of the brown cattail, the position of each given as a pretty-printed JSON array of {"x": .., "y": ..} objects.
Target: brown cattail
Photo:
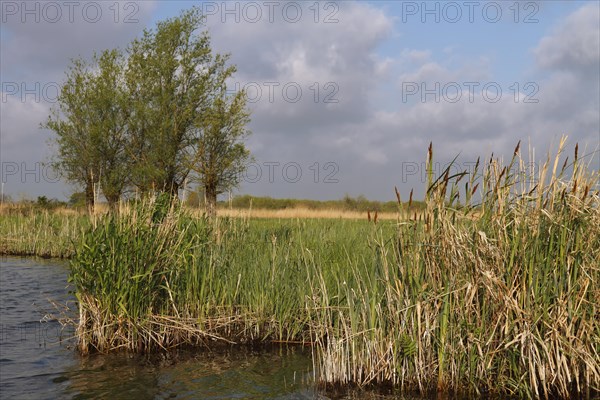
[
  {"x": 576, "y": 150},
  {"x": 564, "y": 165},
  {"x": 446, "y": 179},
  {"x": 585, "y": 192},
  {"x": 398, "y": 196},
  {"x": 430, "y": 151},
  {"x": 410, "y": 199},
  {"x": 369, "y": 216},
  {"x": 375, "y": 217},
  {"x": 517, "y": 148},
  {"x": 533, "y": 189},
  {"x": 502, "y": 173}
]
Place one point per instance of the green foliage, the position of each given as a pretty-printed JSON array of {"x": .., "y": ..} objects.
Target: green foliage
[
  {"x": 163, "y": 205},
  {"x": 220, "y": 155},
  {"x": 407, "y": 347},
  {"x": 44, "y": 203},
  {"x": 193, "y": 199},
  {"x": 182, "y": 120},
  {"x": 153, "y": 117},
  {"x": 77, "y": 200},
  {"x": 76, "y": 158},
  {"x": 498, "y": 293},
  {"x": 89, "y": 121}
]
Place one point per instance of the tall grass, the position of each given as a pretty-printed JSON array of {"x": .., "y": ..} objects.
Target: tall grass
[
  {"x": 26, "y": 231},
  {"x": 505, "y": 300},
  {"x": 154, "y": 277},
  {"x": 494, "y": 288},
  {"x": 348, "y": 204}
]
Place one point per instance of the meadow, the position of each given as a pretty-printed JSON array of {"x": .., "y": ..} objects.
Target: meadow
[{"x": 492, "y": 289}]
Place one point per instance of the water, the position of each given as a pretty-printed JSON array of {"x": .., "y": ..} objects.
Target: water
[{"x": 38, "y": 360}]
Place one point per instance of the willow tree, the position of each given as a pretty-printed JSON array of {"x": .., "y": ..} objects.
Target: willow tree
[
  {"x": 219, "y": 154},
  {"x": 153, "y": 116},
  {"x": 90, "y": 122},
  {"x": 172, "y": 79},
  {"x": 111, "y": 122},
  {"x": 75, "y": 157}
]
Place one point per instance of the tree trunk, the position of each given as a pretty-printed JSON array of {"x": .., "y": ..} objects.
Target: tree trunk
[
  {"x": 89, "y": 197},
  {"x": 113, "y": 201},
  {"x": 173, "y": 190},
  {"x": 211, "y": 200}
]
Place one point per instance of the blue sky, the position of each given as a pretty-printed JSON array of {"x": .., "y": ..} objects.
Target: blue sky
[{"x": 365, "y": 58}]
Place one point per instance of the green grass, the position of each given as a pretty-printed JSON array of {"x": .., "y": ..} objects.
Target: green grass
[
  {"x": 27, "y": 231},
  {"x": 238, "y": 280},
  {"x": 495, "y": 287}
]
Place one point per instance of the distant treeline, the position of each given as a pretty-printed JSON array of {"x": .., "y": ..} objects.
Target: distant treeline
[{"x": 347, "y": 203}]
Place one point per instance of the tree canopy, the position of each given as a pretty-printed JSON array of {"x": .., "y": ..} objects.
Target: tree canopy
[{"x": 153, "y": 117}]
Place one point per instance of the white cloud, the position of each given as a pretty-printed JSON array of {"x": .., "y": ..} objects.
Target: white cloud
[
  {"x": 575, "y": 44},
  {"x": 37, "y": 46},
  {"x": 368, "y": 133},
  {"x": 568, "y": 104},
  {"x": 328, "y": 61}
]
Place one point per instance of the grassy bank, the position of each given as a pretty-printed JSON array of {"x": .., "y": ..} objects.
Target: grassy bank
[
  {"x": 28, "y": 231},
  {"x": 493, "y": 288}
]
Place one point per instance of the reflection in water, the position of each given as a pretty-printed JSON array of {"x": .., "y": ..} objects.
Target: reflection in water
[
  {"x": 37, "y": 359},
  {"x": 238, "y": 373}
]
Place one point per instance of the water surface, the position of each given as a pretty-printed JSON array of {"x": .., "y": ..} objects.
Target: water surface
[{"x": 38, "y": 360}]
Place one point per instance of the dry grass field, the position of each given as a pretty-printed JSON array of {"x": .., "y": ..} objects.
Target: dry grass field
[
  {"x": 296, "y": 212},
  {"x": 304, "y": 213}
]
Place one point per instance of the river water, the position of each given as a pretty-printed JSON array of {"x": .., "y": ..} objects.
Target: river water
[{"x": 38, "y": 360}]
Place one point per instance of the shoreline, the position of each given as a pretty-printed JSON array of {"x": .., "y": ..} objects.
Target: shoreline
[{"x": 498, "y": 297}]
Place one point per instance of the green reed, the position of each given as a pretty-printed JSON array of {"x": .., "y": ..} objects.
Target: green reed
[
  {"x": 494, "y": 288},
  {"x": 30, "y": 232}
]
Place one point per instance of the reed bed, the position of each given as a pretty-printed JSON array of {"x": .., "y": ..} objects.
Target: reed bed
[
  {"x": 506, "y": 301},
  {"x": 493, "y": 289},
  {"x": 26, "y": 231},
  {"x": 152, "y": 278}
]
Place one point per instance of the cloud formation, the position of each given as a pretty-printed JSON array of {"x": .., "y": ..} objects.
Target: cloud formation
[{"x": 337, "y": 98}]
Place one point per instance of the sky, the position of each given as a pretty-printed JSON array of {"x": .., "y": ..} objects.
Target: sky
[{"x": 345, "y": 96}]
